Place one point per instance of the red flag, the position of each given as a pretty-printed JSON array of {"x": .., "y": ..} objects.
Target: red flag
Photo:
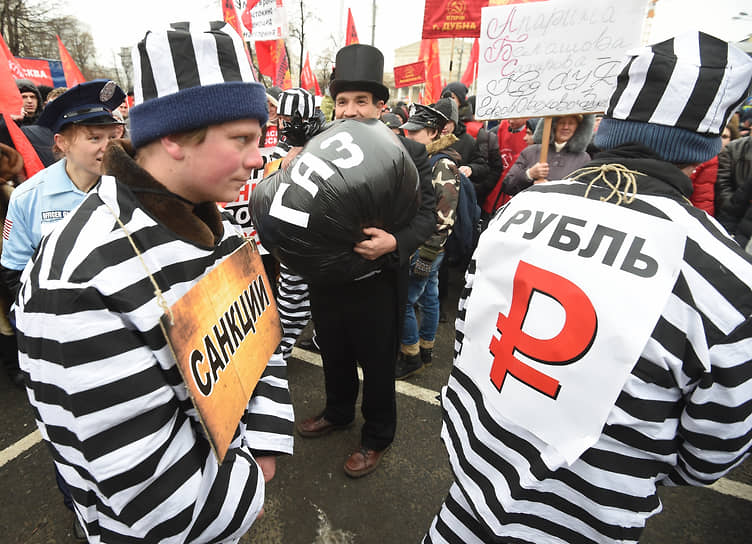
[
  {"x": 10, "y": 96},
  {"x": 471, "y": 72},
  {"x": 272, "y": 60},
  {"x": 15, "y": 68},
  {"x": 429, "y": 53},
  {"x": 265, "y": 55},
  {"x": 73, "y": 75},
  {"x": 282, "y": 77},
  {"x": 32, "y": 164},
  {"x": 246, "y": 17},
  {"x": 230, "y": 15},
  {"x": 11, "y": 103},
  {"x": 351, "y": 34},
  {"x": 307, "y": 79}
]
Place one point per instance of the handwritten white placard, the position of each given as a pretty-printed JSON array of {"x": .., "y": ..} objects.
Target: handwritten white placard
[
  {"x": 269, "y": 20},
  {"x": 553, "y": 57}
]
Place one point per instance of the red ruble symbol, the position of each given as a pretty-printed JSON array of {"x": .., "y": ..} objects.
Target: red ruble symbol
[{"x": 568, "y": 346}]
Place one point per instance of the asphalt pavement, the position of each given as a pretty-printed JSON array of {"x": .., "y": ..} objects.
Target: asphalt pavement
[{"x": 312, "y": 501}]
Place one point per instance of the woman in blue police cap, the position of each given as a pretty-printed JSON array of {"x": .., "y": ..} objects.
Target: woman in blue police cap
[{"x": 82, "y": 121}]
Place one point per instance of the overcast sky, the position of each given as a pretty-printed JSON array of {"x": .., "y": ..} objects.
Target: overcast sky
[{"x": 398, "y": 22}]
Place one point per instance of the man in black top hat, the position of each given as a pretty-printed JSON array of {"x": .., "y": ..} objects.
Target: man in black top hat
[{"x": 360, "y": 322}]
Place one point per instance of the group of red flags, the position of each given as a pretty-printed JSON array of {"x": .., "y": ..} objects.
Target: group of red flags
[
  {"x": 273, "y": 60},
  {"x": 11, "y": 103},
  {"x": 272, "y": 54}
]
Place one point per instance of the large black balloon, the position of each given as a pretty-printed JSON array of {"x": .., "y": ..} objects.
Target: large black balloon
[{"x": 354, "y": 174}]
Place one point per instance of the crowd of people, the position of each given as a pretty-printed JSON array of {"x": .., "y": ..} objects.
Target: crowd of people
[{"x": 636, "y": 224}]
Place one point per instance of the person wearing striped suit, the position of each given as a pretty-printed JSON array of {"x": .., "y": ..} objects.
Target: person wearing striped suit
[
  {"x": 108, "y": 396},
  {"x": 604, "y": 337}
]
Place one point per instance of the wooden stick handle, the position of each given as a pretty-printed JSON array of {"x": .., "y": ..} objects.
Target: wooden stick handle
[{"x": 545, "y": 142}]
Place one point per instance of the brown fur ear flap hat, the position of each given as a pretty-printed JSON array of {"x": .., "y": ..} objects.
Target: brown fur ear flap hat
[{"x": 11, "y": 162}]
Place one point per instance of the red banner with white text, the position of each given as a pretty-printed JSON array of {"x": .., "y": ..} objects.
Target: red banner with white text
[
  {"x": 452, "y": 19},
  {"x": 409, "y": 74}
]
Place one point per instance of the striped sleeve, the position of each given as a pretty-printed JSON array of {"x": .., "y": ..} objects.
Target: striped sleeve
[
  {"x": 269, "y": 417},
  {"x": 294, "y": 308}
]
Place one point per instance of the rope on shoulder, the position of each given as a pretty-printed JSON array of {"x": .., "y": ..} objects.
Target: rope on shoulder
[{"x": 624, "y": 188}]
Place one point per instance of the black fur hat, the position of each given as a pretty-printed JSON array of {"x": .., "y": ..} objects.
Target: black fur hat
[{"x": 359, "y": 67}]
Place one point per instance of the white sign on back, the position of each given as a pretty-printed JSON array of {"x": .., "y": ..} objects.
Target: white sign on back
[
  {"x": 554, "y": 57},
  {"x": 566, "y": 294}
]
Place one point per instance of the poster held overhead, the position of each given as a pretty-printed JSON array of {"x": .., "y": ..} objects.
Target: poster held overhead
[{"x": 552, "y": 58}]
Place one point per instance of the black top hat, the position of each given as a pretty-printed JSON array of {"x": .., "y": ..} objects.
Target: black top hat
[
  {"x": 359, "y": 67},
  {"x": 90, "y": 103}
]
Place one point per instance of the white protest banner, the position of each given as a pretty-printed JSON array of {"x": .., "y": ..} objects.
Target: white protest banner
[
  {"x": 555, "y": 57},
  {"x": 269, "y": 20}
]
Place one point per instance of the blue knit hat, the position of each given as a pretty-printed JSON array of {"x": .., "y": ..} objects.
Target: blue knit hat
[
  {"x": 192, "y": 76},
  {"x": 675, "y": 97}
]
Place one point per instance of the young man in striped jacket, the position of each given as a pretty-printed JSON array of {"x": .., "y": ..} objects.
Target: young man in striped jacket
[
  {"x": 108, "y": 396},
  {"x": 604, "y": 337}
]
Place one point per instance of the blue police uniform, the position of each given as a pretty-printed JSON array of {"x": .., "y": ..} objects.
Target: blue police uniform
[
  {"x": 35, "y": 207},
  {"x": 38, "y": 204}
]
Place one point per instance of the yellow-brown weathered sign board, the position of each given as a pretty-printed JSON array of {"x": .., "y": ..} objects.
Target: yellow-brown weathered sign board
[{"x": 222, "y": 333}]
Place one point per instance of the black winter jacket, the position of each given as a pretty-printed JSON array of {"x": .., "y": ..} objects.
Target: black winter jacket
[
  {"x": 472, "y": 156},
  {"x": 488, "y": 146},
  {"x": 733, "y": 187}
]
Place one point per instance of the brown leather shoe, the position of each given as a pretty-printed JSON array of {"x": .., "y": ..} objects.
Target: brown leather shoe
[
  {"x": 316, "y": 426},
  {"x": 363, "y": 461}
]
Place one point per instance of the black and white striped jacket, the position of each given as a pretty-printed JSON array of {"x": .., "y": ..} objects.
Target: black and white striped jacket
[
  {"x": 683, "y": 417},
  {"x": 107, "y": 394}
]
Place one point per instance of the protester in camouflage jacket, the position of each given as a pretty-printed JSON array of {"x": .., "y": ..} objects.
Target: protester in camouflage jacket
[
  {"x": 424, "y": 125},
  {"x": 446, "y": 186}
]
